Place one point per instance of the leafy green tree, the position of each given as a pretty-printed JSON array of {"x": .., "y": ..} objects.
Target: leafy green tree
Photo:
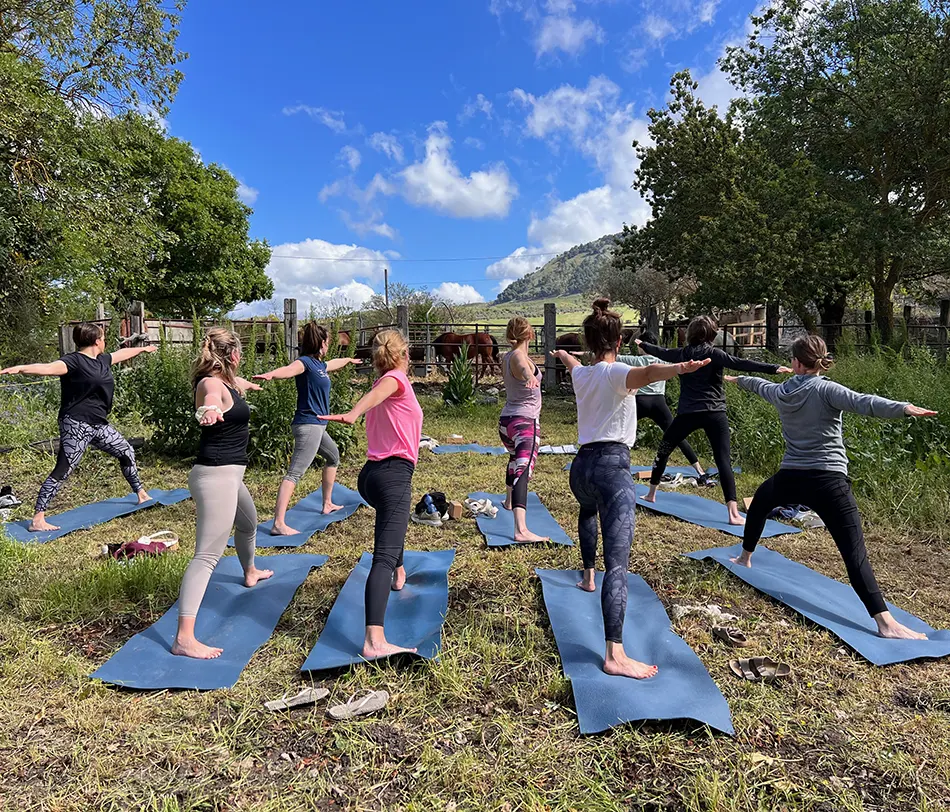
[{"x": 861, "y": 89}]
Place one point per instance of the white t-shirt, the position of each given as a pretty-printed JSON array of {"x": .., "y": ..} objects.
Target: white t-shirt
[{"x": 606, "y": 409}]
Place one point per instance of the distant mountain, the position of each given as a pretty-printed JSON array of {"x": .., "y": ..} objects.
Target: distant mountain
[{"x": 575, "y": 271}]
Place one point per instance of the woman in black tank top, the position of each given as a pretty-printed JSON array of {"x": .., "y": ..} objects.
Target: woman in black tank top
[{"x": 217, "y": 483}]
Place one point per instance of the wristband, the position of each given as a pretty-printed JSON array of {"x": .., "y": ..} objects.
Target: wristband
[{"x": 204, "y": 409}]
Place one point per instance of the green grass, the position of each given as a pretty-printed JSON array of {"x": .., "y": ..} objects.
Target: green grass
[{"x": 492, "y": 724}]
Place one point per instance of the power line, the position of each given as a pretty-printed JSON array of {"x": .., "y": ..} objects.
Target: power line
[{"x": 431, "y": 259}]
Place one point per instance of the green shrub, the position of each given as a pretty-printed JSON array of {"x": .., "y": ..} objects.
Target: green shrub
[{"x": 459, "y": 389}]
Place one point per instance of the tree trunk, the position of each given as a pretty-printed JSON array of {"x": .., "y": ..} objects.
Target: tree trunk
[
  {"x": 653, "y": 320},
  {"x": 831, "y": 311},
  {"x": 884, "y": 310}
]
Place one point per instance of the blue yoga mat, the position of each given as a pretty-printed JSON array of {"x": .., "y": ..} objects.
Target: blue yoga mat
[
  {"x": 87, "y": 516},
  {"x": 307, "y": 516},
  {"x": 500, "y": 531},
  {"x": 682, "y": 687},
  {"x": 473, "y": 448},
  {"x": 238, "y": 619},
  {"x": 831, "y": 604},
  {"x": 414, "y": 615},
  {"x": 672, "y": 470},
  {"x": 704, "y": 512}
]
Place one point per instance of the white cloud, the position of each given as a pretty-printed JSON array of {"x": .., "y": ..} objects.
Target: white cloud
[
  {"x": 247, "y": 194},
  {"x": 351, "y": 157},
  {"x": 518, "y": 263},
  {"x": 454, "y": 293},
  {"x": 561, "y": 32},
  {"x": 658, "y": 28},
  {"x": 437, "y": 183},
  {"x": 588, "y": 216},
  {"x": 146, "y": 111},
  {"x": 388, "y": 145},
  {"x": 559, "y": 6},
  {"x": 329, "y": 118},
  {"x": 371, "y": 225},
  {"x": 369, "y": 216},
  {"x": 474, "y": 143},
  {"x": 567, "y": 107},
  {"x": 474, "y": 106}
]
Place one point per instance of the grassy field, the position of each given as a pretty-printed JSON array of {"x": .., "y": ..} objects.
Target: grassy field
[{"x": 489, "y": 726}]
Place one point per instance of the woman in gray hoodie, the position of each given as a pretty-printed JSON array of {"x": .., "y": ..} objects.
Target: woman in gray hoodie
[{"x": 814, "y": 471}]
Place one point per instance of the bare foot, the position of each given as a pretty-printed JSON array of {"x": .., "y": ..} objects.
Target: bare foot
[
  {"x": 736, "y": 519},
  {"x": 253, "y": 575},
  {"x": 42, "y": 526},
  {"x": 623, "y": 666},
  {"x": 891, "y": 629},
  {"x": 192, "y": 648},
  {"x": 742, "y": 560},
  {"x": 384, "y": 650},
  {"x": 331, "y": 508},
  {"x": 506, "y": 505},
  {"x": 587, "y": 582},
  {"x": 283, "y": 530},
  {"x": 143, "y": 496},
  {"x": 399, "y": 578},
  {"x": 528, "y": 537},
  {"x": 649, "y": 497}
]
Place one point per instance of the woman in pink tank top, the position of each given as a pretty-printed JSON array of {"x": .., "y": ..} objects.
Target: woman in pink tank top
[{"x": 393, "y": 431}]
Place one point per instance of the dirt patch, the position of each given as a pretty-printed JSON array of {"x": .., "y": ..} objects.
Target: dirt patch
[{"x": 97, "y": 637}]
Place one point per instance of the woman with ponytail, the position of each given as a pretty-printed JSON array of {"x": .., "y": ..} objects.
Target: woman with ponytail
[
  {"x": 814, "y": 470},
  {"x": 217, "y": 482},
  {"x": 600, "y": 474},
  {"x": 702, "y": 405},
  {"x": 310, "y": 373},
  {"x": 519, "y": 426},
  {"x": 393, "y": 431},
  {"x": 88, "y": 387}
]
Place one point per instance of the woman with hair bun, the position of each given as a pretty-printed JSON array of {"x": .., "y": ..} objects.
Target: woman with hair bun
[
  {"x": 310, "y": 373},
  {"x": 88, "y": 387},
  {"x": 702, "y": 405},
  {"x": 814, "y": 470},
  {"x": 393, "y": 432},
  {"x": 216, "y": 482},
  {"x": 519, "y": 424},
  {"x": 600, "y": 474}
]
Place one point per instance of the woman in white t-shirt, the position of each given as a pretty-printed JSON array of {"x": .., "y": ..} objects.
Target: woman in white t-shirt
[{"x": 600, "y": 475}]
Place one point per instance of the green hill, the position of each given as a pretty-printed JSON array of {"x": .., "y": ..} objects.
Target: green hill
[{"x": 571, "y": 273}]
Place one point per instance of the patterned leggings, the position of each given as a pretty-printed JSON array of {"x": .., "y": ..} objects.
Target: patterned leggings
[
  {"x": 520, "y": 436},
  {"x": 74, "y": 438},
  {"x": 601, "y": 481}
]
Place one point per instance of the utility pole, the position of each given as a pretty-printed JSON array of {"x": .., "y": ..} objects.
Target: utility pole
[{"x": 386, "y": 282}]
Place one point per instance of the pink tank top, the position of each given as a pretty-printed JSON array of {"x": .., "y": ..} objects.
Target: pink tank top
[
  {"x": 394, "y": 428},
  {"x": 520, "y": 401}
]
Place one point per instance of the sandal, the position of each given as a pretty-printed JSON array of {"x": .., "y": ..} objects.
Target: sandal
[
  {"x": 370, "y": 703},
  {"x": 307, "y": 696},
  {"x": 731, "y": 636},
  {"x": 764, "y": 669}
]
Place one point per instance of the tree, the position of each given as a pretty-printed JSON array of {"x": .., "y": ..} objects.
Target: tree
[
  {"x": 861, "y": 88},
  {"x": 419, "y": 301}
]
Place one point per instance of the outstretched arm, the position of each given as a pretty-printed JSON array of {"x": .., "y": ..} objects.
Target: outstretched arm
[
  {"x": 55, "y": 368},
  {"x": 130, "y": 352},
  {"x": 663, "y": 353},
  {"x": 639, "y": 377},
  {"x": 387, "y": 387},
  {"x": 747, "y": 365},
  {"x": 339, "y": 363},
  {"x": 292, "y": 370},
  {"x": 245, "y": 385},
  {"x": 847, "y": 400},
  {"x": 523, "y": 369},
  {"x": 764, "y": 389},
  {"x": 567, "y": 359}
]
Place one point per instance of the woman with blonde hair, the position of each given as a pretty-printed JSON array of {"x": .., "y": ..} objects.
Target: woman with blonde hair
[
  {"x": 393, "y": 431},
  {"x": 519, "y": 423},
  {"x": 814, "y": 470},
  {"x": 217, "y": 482},
  {"x": 88, "y": 387},
  {"x": 310, "y": 373}
]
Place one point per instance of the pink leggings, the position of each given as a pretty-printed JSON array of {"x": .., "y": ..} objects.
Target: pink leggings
[{"x": 520, "y": 436}]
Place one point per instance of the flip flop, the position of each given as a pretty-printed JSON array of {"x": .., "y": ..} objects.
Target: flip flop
[
  {"x": 731, "y": 636},
  {"x": 764, "y": 669},
  {"x": 370, "y": 703},
  {"x": 307, "y": 696}
]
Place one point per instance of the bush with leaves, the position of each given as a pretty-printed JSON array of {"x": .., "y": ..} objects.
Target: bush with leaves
[{"x": 459, "y": 389}]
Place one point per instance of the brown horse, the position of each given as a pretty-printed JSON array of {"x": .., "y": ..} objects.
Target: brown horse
[
  {"x": 483, "y": 351},
  {"x": 569, "y": 342}
]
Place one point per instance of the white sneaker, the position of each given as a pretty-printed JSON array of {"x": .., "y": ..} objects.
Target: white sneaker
[{"x": 431, "y": 519}]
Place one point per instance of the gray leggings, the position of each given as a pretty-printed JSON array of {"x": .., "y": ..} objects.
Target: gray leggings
[
  {"x": 309, "y": 438},
  {"x": 223, "y": 501}
]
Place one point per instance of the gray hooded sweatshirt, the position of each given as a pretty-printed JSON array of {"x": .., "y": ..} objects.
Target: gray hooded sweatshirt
[{"x": 810, "y": 408}]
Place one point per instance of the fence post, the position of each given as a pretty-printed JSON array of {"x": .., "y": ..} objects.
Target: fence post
[
  {"x": 290, "y": 328},
  {"x": 101, "y": 311},
  {"x": 66, "y": 344},
  {"x": 868, "y": 326},
  {"x": 430, "y": 350},
  {"x": 550, "y": 344},
  {"x": 944, "y": 324},
  {"x": 402, "y": 319},
  {"x": 772, "y": 310}
]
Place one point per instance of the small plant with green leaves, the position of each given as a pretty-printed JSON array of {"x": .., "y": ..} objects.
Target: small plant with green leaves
[{"x": 459, "y": 389}]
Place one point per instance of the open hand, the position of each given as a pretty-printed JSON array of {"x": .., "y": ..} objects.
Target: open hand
[
  {"x": 150, "y": 348},
  {"x": 210, "y": 417},
  {"x": 10, "y": 371},
  {"x": 730, "y": 378},
  {"x": 915, "y": 411},
  {"x": 251, "y": 387},
  {"x": 267, "y": 376},
  {"x": 637, "y": 341},
  {"x": 785, "y": 371},
  {"x": 691, "y": 366},
  {"x": 355, "y": 361},
  {"x": 532, "y": 382},
  {"x": 347, "y": 418}
]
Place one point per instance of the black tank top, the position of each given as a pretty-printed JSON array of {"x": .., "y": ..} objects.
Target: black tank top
[{"x": 225, "y": 442}]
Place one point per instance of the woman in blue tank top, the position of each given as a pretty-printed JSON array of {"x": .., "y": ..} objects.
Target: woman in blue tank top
[{"x": 311, "y": 374}]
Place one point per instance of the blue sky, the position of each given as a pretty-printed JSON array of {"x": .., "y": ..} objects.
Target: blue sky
[{"x": 497, "y": 132}]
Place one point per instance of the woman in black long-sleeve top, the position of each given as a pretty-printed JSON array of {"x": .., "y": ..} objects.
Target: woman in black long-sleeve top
[{"x": 702, "y": 404}]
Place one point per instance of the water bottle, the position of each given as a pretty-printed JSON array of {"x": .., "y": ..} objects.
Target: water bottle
[{"x": 430, "y": 505}]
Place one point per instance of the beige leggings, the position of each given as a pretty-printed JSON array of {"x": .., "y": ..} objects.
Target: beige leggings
[{"x": 223, "y": 501}]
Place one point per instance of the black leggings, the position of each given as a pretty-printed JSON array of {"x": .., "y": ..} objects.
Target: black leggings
[
  {"x": 600, "y": 479},
  {"x": 387, "y": 486},
  {"x": 716, "y": 426},
  {"x": 655, "y": 408},
  {"x": 828, "y": 493}
]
